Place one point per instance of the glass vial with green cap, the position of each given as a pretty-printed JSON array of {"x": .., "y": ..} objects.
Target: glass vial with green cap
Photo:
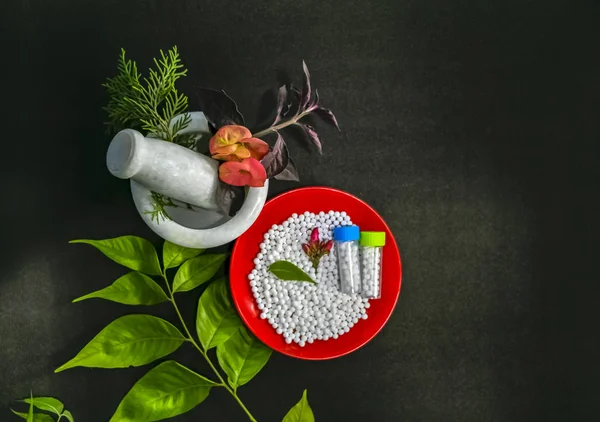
[
  {"x": 346, "y": 249},
  {"x": 371, "y": 248}
]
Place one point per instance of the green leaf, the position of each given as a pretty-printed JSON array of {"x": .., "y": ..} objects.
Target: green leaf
[
  {"x": 130, "y": 251},
  {"x": 150, "y": 102},
  {"x": 287, "y": 271},
  {"x": 301, "y": 412},
  {"x": 242, "y": 356},
  {"x": 134, "y": 288},
  {"x": 30, "y": 413},
  {"x": 68, "y": 415},
  {"x": 197, "y": 271},
  {"x": 37, "y": 417},
  {"x": 167, "y": 390},
  {"x": 19, "y": 414},
  {"x": 216, "y": 319},
  {"x": 175, "y": 255},
  {"x": 132, "y": 340},
  {"x": 49, "y": 404}
]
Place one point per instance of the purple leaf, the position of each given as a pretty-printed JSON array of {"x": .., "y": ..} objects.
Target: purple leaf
[
  {"x": 282, "y": 94},
  {"x": 327, "y": 116},
  {"x": 306, "y": 90},
  {"x": 218, "y": 107},
  {"x": 277, "y": 159},
  {"x": 312, "y": 135},
  {"x": 290, "y": 173},
  {"x": 295, "y": 91},
  {"x": 229, "y": 198},
  {"x": 225, "y": 195}
]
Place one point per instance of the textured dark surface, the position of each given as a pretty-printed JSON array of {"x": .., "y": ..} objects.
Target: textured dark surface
[{"x": 472, "y": 126}]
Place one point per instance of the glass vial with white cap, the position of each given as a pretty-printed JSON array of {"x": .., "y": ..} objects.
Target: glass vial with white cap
[
  {"x": 371, "y": 248},
  {"x": 346, "y": 245}
]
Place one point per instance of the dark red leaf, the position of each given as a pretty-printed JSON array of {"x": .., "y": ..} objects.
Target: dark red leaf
[
  {"x": 229, "y": 198},
  {"x": 295, "y": 91},
  {"x": 312, "y": 135},
  {"x": 327, "y": 116},
  {"x": 219, "y": 109},
  {"x": 306, "y": 90},
  {"x": 290, "y": 173},
  {"x": 282, "y": 94},
  {"x": 277, "y": 159},
  {"x": 225, "y": 195},
  {"x": 314, "y": 235}
]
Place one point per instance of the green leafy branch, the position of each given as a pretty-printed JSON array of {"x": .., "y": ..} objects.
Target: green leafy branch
[
  {"x": 148, "y": 102},
  {"x": 158, "y": 211},
  {"x": 47, "y": 404},
  {"x": 152, "y": 104},
  {"x": 159, "y": 204},
  {"x": 170, "y": 389}
]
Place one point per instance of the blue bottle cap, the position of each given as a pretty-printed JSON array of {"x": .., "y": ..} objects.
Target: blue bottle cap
[{"x": 346, "y": 233}]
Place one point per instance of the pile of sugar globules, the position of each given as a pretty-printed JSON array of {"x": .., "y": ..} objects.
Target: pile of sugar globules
[{"x": 304, "y": 312}]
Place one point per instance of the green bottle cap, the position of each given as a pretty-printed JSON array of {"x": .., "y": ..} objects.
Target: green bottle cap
[{"x": 374, "y": 239}]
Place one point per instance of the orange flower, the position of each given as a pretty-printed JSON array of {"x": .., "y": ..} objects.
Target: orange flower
[
  {"x": 248, "y": 172},
  {"x": 235, "y": 143}
]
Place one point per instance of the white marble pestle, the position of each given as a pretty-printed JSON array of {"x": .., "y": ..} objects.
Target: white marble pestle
[
  {"x": 164, "y": 167},
  {"x": 183, "y": 175}
]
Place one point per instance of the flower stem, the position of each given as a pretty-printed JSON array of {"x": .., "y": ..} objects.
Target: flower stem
[
  {"x": 203, "y": 352},
  {"x": 280, "y": 126}
]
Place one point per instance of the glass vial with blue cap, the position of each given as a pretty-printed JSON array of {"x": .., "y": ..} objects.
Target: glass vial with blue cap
[
  {"x": 346, "y": 247},
  {"x": 371, "y": 252}
]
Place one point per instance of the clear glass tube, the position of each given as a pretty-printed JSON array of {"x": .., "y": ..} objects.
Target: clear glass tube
[
  {"x": 348, "y": 266},
  {"x": 371, "y": 265}
]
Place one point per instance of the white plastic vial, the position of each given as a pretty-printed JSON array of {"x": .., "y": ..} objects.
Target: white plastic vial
[
  {"x": 371, "y": 252},
  {"x": 347, "y": 251}
]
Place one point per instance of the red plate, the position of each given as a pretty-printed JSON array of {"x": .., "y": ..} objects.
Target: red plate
[{"x": 279, "y": 209}]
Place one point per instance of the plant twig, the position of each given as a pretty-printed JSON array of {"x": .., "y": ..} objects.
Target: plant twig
[
  {"x": 280, "y": 126},
  {"x": 203, "y": 352}
]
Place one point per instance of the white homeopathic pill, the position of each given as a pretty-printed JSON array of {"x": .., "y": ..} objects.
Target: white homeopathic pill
[
  {"x": 301, "y": 312},
  {"x": 346, "y": 242},
  {"x": 371, "y": 251}
]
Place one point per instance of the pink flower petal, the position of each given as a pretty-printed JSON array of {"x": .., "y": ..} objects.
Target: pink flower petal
[
  {"x": 226, "y": 153},
  {"x": 241, "y": 152},
  {"x": 258, "y": 148},
  {"x": 228, "y": 135},
  {"x": 234, "y": 173},
  {"x": 258, "y": 172},
  {"x": 248, "y": 172},
  {"x": 314, "y": 235}
]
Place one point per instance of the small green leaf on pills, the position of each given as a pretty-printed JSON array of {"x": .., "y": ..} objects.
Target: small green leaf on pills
[{"x": 285, "y": 270}]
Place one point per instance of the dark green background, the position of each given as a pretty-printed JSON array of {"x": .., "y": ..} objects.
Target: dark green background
[{"x": 470, "y": 125}]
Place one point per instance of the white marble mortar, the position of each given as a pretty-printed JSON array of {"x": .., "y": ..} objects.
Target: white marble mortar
[{"x": 183, "y": 175}]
